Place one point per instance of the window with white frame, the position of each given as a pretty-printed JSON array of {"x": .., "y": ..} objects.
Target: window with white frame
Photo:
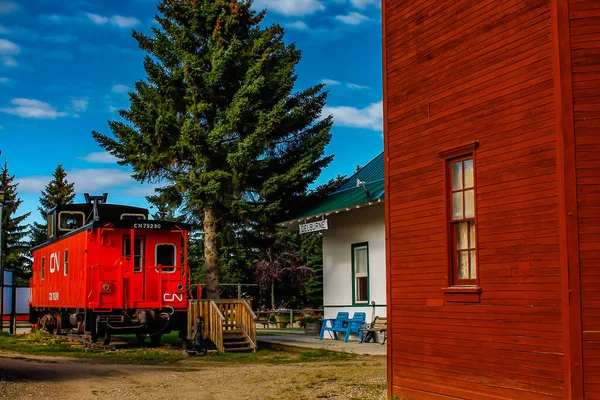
[
  {"x": 166, "y": 256},
  {"x": 360, "y": 272}
]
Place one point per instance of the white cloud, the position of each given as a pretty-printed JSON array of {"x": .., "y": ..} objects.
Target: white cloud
[
  {"x": 1, "y": 127},
  {"x": 116, "y": 20},
  {"x": 353, "y": 18},
  {"x": 124, "y": 22},
  {"x": 31, "y": 108},
  {"x": 355, "y": 86},
  {"x": 330, "y": 82},
  {"x": 79, "y": 104},
  {"x": 97, "y": 19},
  {"x": 113, "y": 109},
  {"x": 4, "y": 79},
  {"x": 9, "y": 49},
  {"x": 370, "y": 117},
  {"x": 7, "y": 6},
  {"x": 93, "y": 180},
  {"x": 100, "y": 157},
  {"x": 9, "y": 61},
  {"x": 52, "y": 18},
  {"x": 362, "y": 4},
  {"x": 120, "y": 89},
  {"x": 299, "y": 25},
  {"x": 291, "y": 7},
  {"x": 86, "y": 180}
]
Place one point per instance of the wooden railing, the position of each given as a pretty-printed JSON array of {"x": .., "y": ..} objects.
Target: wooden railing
[
  {"x": 238, "y": 317},
  {"x": 213, "y": 321}
]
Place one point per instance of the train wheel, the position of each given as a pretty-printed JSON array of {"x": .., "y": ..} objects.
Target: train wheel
[
  {"x": 155, "y": 339},
  {"x": 107, "y": 336}
]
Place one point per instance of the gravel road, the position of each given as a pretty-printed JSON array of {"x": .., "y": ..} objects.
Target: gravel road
[{"x": 35, "y": 377}]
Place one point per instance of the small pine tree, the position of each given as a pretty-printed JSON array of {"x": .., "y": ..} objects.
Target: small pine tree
[
  {"x": 14, "y": 231},
  {"x": 56, "y": 193}
]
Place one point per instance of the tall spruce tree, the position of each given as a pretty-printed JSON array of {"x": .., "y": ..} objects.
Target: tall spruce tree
[
  {"x": 14, "y": 231},
  {"x": 58, "y": 191},
  {"x": 217, "y": 121}
]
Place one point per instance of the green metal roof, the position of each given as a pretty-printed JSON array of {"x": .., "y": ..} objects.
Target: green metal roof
[
  {"x": 345, "y": 198},
  {"x": 349, "y": 194},
  {"x": 371, "y": 172}
]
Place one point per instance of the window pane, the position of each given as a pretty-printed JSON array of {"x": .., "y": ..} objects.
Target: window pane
[
  {"x": 469, "y": 181},
  {"x": 463, "y": 265},
  {"x": 361, "y": 289},
  {"x": 462, "y": 235},
  {"x": 457, "y": 205},
  {"x": 70, "y": 221},
  {"x": 165, "y": 256},
  {"x": 360, "y": 260},
  {"x": 469, "y": 203},
  {"x": 457, "y": 176},
  {"x": 473, "y": 265},
  {"x": 472, "y": 235}
]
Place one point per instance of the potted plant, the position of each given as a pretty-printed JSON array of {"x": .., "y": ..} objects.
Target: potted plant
[{"x": 311, "y": 323}]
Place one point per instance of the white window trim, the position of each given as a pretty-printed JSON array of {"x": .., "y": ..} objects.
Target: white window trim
[
  {"x": 156, "y": 257},
  {"x": 66, "y": 262},
  {"x": 360, "y": 275},
  {"x": 132, "y": 215},
  {"x": 69, "y": 212}
]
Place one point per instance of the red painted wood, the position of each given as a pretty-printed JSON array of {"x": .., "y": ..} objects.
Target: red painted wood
[{"x": 520, "y": 77}]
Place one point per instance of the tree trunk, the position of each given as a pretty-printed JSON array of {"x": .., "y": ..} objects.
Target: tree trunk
[
  {"x": 273, "y": 295},
  {"x": 211, "y": 259}
]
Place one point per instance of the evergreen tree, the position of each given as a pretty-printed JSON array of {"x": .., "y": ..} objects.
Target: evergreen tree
[
  {"x": 217, "y": 120},
  {"x": 14, "y": 231},
  {"x": 56, "y": 193}
]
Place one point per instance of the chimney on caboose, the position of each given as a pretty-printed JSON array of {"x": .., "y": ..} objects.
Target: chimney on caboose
[{"x": 95, "y": 200}]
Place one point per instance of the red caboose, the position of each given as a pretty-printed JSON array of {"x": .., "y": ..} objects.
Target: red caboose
[{"x": 87, "y": 276}]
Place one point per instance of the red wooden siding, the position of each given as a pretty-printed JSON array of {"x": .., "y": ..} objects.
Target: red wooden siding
[
  {"x": 464, "y": 71},
  {"x": 585, "y": 59}
]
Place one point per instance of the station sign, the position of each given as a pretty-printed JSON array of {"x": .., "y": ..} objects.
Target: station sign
[{"x": 314, "y": 226}]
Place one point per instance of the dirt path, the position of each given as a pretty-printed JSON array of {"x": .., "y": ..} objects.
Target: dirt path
[{"x": 54, "y": 377}]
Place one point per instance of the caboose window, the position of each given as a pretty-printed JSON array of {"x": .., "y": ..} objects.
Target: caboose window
[
  {"x": 68, "y": 221},
  {"x": 138, "y": 257},
  {"x": 50, "y": 225},
  {"x": 43, "y": 267},
  {"x": 165, "y": 256}
]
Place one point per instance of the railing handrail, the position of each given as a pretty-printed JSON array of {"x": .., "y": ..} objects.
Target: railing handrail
[
  {"x": 219, "y": 313},
  {"x": 250, "y": 309}
]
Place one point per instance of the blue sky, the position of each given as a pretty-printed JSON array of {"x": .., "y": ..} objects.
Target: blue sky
[{"x": 66, "y": 67}]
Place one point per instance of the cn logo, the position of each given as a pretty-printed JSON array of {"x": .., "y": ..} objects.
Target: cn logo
[
  {"x": 173, "y": 297},
  {"x": 55, "y": 262}
]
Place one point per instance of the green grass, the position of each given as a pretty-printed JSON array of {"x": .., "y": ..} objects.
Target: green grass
[{"x": 39, "y": 343}]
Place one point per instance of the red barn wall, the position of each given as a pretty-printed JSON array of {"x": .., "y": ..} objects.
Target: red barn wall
[
  {"x": 457, "y": 72},
  {"x": 585, "y": 58}
]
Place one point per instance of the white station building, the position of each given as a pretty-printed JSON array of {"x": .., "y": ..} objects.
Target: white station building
[{"x": 352, "y": 222}]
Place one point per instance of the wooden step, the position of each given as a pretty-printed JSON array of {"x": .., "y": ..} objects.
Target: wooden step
[{"x": 236, "y": 344}]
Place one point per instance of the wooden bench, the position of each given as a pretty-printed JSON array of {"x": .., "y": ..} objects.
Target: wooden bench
[
  {"x": 379, "y": 325},
  {"x": 262, "y": 317},
  {"x": 345, "y": 325}
]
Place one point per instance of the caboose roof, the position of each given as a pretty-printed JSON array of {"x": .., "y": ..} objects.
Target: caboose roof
[{"x": 106, "y": 212}]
